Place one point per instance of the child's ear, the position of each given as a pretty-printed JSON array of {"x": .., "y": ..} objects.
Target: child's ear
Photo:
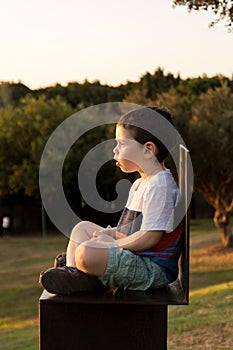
[{"x": 150, "y": 149}]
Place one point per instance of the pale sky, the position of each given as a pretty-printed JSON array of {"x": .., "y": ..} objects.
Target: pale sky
[{"x": 58, "y": 41}]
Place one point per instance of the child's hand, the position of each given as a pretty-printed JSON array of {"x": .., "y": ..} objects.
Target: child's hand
[
  {"x": 102, "y": 237},
  {"x": 110, "y": 231}
]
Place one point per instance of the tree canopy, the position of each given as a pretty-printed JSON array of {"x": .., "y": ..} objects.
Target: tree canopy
[
  {"x": 202, "y": 108},
  {"x": 222, "y": 10},
  {"x": 212, "y": 154},
  {"x": 24, "y": 132}
]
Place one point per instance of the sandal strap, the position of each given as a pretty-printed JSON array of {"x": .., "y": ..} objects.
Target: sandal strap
[{"x": 60, "y": 260}]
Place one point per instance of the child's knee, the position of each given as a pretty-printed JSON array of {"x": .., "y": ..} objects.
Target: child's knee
[
  {"x": 91, "y": 260},
  {"x": 78, "y": 229}
]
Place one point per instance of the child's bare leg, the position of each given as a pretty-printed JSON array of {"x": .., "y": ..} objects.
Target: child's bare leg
[
  {"x": 92, "y": 258},
  {"x": 81, "y": 232}
]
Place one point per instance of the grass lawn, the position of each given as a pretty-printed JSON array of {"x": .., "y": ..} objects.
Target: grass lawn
[
  {"x": 22, "y": 259},
  {"x": 207, "y": 323}
]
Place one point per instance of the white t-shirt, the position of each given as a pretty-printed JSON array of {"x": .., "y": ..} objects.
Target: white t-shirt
[{"x": 150, "y": 205}]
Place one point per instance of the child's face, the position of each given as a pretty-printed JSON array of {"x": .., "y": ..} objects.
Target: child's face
[{"x": 128, "y": 153}]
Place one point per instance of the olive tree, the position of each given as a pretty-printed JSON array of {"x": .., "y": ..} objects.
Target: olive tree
[
  {"x": 212, "y": 155},
  {"x": 206, "y": 124}
]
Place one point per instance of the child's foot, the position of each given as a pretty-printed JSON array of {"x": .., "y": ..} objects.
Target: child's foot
[
  {"x": 67, "y": 280},
  {"x": 60, "y": 260}
]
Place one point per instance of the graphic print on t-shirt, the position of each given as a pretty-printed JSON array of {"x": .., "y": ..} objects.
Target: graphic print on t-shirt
[{"x": 130, "y": 221}]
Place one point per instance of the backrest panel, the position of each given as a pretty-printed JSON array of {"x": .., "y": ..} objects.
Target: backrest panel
[{"x": 183, "y": 186}]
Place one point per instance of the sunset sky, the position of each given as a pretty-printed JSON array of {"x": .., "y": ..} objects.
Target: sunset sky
[{"x": 55, "y": 41}]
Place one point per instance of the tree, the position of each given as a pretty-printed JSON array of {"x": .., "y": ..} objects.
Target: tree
[
  {"x": 138, "y": 96},
  {"x": 223, "y": 10},
  {"x": 206, "y": 124},
  {"x": 24, "y": 132},
  {"x": 180, "y": 105},
  {"x": 212, "y": 153},
  {"x": 194, "y": 87},
  {"x": 12, "y": 93},
  {"x": 150, "y": 85}
]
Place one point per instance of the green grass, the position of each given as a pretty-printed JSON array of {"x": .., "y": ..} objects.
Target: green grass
[
  {"x": 22, "y": 259},
  {"x": 206, "y": 323}
]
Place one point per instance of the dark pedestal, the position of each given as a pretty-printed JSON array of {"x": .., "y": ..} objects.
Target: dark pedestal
[{"x": 87, "y": 322}]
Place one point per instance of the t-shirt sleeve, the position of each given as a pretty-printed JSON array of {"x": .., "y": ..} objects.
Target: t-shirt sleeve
[{"x": 158, "y": 208}]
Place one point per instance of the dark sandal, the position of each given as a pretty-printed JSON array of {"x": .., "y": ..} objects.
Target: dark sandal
[{"x": 67, "y": 280}]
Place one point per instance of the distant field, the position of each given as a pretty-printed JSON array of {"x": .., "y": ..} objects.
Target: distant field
[{"x": 206, "y": 324}]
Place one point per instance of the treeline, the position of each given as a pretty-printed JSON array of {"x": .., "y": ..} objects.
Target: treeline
[
  {"x": 81, "y": 95},
  {"x": 28, "y": 117},
  {"x": 203, "y": 112}
]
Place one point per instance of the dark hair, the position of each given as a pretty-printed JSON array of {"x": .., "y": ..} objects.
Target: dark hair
[{"x": 137, "y": 120}]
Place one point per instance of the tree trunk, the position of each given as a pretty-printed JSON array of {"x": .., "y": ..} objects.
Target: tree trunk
[{"x": 222, "y": 222}]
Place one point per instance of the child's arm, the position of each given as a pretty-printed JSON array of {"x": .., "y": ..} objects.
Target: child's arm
[{"x": 140, "y": 240}]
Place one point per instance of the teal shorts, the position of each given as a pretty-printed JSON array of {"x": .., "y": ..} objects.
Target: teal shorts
[{"x": 128, "y": 270}]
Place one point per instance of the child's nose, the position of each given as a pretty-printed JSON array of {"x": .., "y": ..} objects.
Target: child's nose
[{"x": 115, "y": 150}]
